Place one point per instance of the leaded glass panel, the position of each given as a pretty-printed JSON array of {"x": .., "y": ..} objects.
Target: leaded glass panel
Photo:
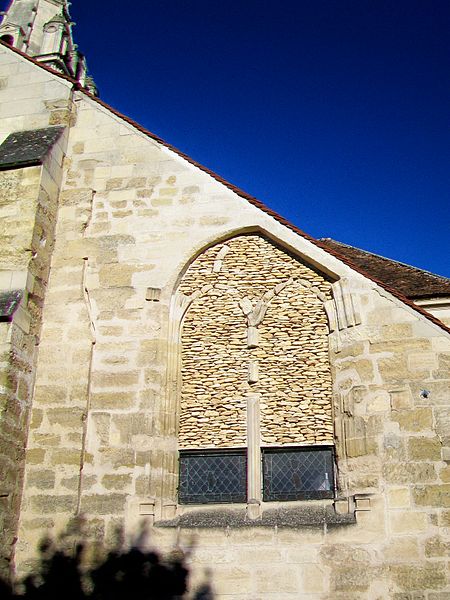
[
  {"x": 213, "y": 477},
  {"x": 298, "y": 473}
]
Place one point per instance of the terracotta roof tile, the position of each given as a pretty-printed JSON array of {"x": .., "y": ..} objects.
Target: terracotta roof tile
[{"x": 412, "y": 282}]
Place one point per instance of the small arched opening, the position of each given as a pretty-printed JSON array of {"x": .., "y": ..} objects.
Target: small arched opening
[{"x": 7, "y": 39}]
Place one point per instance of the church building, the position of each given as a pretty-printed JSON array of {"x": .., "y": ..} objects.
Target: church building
[{"x": 172, "y": 351}]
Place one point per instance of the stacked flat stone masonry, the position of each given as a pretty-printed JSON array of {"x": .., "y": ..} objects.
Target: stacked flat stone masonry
[{"x": 293, "y": 372}]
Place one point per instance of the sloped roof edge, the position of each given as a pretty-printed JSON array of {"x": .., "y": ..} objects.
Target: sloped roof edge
[
  {"x": 251, "y": 199},
  {"x": 412, "y": 282}
]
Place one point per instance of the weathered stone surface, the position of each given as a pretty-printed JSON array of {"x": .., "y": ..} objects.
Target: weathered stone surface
[
  {"x": 402, "y": 549},
  {"x": 113, "y": 400},
  {"x": 442, "y": 416},
  {"x": 399, "y": 472},
  {"x": 436, "y": 546},
  {"x": 99, "y": 504},
  {"x": 444, "y": 474},
  {"x": 42, "y": 479},
  {"x": 414, "y": 577},
  {"x": 401, "y": 399},
  {"x": 432, "y": 495},
  {"x": 395, "y": 370},
  {"x": 418, "y": 419},
  {"x": 65, "y": 456},
  {"x": 117, "y": 457},
  {"x": 66, "y": 417},
  {"x": 350, "y": 579},
  {"x": 282, "y": 581},
  {"x": 116, "y": 482},
  {"x": 399, "y": 497},
  {"x": 424, "y": 449},
  {"x": 53, "y": 504},
  {"x": 35, "y": 455},
  {"x": 408, "y": 522},
  {"x": 444, "y": 520}
]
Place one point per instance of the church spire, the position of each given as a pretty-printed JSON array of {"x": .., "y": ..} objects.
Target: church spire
[{"x": 43, "y": 29}]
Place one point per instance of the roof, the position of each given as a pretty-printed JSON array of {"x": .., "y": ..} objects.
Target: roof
[
  {"x": 410, "y": 281},
  {"x": 28, "y": 148},
  {"x": 251, "y": 199},
  {"x": 9, "y": 301}
]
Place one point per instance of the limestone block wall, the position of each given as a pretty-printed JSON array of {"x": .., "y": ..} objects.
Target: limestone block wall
[
  {"x": 30, "y": 98},
  {"x": 18, "y": 193},
  {"x": 132, "y": 216},
  {"x": 394, "y": 380},
  {"x": 287, "y": 363},
  {"x": 392, "y": 386},
  {"x": 28, "y": 208},
  {"x": 25, "y": 252}
]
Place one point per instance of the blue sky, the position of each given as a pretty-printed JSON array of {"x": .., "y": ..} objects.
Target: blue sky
[{"x": 336, "y": 114}]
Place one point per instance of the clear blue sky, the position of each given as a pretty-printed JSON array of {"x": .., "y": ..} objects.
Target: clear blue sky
[{"x": 336, "y": 113}]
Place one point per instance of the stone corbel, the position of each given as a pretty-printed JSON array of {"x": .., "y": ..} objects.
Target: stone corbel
[
  {"x": 169, "y": 510},
  {"x": 147, "y": 509},
  {"x": 153, "y": 294},
  {"x": 352, "y": 504},
  {"x": 362, "y": 502}
]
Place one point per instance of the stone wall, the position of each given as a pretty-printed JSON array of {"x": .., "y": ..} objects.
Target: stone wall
[
  {"x": 18, "y": 194},
  {"x": 102, "y": 442},
  {"x": 287, "y": 362},
  {"x": 392, "y": 385},
  {"x": 30, "y": 98},
  {"x": 28, "y": 207},
  {"x": 19, "y": 191}
]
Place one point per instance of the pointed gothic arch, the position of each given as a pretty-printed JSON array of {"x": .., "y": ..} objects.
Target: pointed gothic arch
[
  {"x": 245, "y": 310},
  {"x": 214, "y": 240}
]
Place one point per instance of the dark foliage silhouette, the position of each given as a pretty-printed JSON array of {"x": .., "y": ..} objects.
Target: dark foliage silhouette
[{"x": 70, "y": 570}]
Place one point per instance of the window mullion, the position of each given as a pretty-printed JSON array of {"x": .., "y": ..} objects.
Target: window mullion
[{"x": 254, "y": 479}]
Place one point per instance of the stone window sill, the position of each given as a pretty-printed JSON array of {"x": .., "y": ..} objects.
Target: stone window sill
[{"x": 294, "y": 515}]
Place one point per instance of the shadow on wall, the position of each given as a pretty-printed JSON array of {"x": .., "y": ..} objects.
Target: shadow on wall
[{"x": 70, "y": 569}]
